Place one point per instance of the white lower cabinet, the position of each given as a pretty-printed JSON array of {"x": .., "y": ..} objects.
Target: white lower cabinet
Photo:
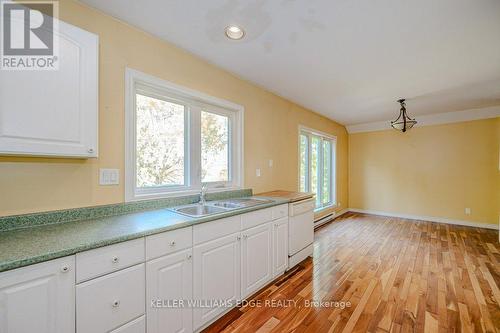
[
  {"x": 169, "y": 279},
  {"x": 108, "y": 302},
  {"x": 217, "y": 275},
  {"x": 135, "y": 326},
  {"x": 280, "y": 246},
  {"x": 39, "y": 298},
  {"x": 256, "y": 258},
  {"x": 133, "y": 287}
]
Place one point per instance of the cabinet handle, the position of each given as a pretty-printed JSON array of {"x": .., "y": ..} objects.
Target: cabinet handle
[
  {"x": 172, "y": 243},
  {"x": 115, "y": 260},
  {"x": 238, "y": 237},
  {"x": 245, "y": 236},
  {"x": 116, "y": 303},
  {"x": 65, "y": 269}
]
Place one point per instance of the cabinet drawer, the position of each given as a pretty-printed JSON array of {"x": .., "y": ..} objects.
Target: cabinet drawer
[
  {"x": 110, "y": 301},
  {"x": 215, "y": 229},
  {"x": 301, "y": 207},
  {"x": 94, "y": 263},
  {"x": 135, "y": 326},
  {"x": 168, "y": 242},
  {"x": 255, "y": 218},
  {"x": 280, "y": 211}
]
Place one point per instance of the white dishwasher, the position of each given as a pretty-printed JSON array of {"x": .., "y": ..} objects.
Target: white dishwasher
[{"x": 300, "y": 231}]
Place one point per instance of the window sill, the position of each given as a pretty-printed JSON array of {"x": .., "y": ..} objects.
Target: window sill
[{"x": 182, "y": 193}]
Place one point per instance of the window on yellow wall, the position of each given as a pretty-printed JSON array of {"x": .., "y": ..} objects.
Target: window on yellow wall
[
  {"x": 178, "y": 140},
  {"x": 304, "y": 163},
  {"x": 317, "y": 166},
  {"x": 215, "y": 140},
  {"x": 160, "y": 142}
]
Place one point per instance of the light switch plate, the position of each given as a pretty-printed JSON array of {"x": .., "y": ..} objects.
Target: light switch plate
[
  {"x": 257, "y": 172},
  {"x": 109, "y": 176}
]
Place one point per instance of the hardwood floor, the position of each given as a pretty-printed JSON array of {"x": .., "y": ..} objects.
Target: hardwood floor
[{"x": 398, "y": 275}]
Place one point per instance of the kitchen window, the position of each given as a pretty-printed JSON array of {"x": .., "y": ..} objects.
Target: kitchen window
[
  {"x": 317, "y": 166},
  {"x": 178, "y": 139}
]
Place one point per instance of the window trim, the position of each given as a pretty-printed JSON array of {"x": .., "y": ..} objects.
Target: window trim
[
  {"x": 309, "y": 132},
  {"x": 135, "y": 79}
]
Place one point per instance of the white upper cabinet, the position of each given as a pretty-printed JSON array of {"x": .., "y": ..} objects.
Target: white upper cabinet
[{"x": 53, "y": 112}]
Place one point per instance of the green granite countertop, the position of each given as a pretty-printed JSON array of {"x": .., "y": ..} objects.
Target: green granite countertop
[{"x": 30, "y": 245}]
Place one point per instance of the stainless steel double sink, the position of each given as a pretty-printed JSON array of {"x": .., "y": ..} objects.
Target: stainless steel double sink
[{"x": 217, "y": 207}]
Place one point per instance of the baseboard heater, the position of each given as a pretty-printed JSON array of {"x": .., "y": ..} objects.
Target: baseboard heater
[{"x": 325, "y": 219}]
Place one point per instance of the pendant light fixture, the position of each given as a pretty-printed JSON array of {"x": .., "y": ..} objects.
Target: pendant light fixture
[{"x": 403, "y": 122}]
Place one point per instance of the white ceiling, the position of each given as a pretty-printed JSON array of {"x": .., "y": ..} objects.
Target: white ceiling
[{"x": 349, "y": 60}]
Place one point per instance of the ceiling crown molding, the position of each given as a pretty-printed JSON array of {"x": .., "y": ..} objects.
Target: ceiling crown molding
[{"x": 433, "y": 119}]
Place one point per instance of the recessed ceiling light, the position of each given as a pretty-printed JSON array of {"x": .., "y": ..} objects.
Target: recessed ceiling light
[{"x": 234, "y": 32}]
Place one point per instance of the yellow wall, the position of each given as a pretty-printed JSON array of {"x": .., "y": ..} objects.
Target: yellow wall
[
  {"x": 429, "y": 171},
  {"x": 271, "y": 124},
  {"x": 433, "y": 171}
]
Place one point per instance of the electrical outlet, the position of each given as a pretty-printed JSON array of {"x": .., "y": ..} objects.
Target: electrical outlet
[
  {"x": 109, "y": 176},
  {"x": 257, "y": 172},
  {"x": 271, "y": 163},
  {"x": 467, "y": 211}
]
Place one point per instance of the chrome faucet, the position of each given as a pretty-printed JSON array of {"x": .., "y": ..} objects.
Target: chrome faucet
[{"x": 203, "y": 192}]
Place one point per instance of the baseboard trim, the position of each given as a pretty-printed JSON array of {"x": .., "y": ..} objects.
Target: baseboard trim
[
  {"x": 426, "y": 218},
  {"x": 318, "y": 224},
  {"x": 341, "y": 212}
]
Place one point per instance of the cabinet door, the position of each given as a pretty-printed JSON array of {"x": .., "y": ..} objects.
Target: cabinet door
[
  {"x": 257, "y": 256},
  {"x": 216, "y": 275},
  {"x": 169, "y": 278},
  {"x": 53, "y": 112},
  {"x": 280, "y": 246},
  {"x": 39, "y": 298}
]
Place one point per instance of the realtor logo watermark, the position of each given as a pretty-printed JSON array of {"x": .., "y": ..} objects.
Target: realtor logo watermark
[{"x": 29, "y": 36}]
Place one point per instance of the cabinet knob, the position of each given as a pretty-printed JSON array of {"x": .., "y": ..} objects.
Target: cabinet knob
[
  {"x": 116, "y": 303},
  {"x": 115, "y": 260},
  {"x": 65, "y": 269},
  {"x": 172, "y": 243},
  {"x": 189, "y": 256},
  {"x": 238, "y": 237},
  {"x": 90, "y": 150},
  {"x": 245, "y": 236}
]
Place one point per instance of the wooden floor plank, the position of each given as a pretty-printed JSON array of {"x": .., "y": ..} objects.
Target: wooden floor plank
[{"x": 397, "y": 275}]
